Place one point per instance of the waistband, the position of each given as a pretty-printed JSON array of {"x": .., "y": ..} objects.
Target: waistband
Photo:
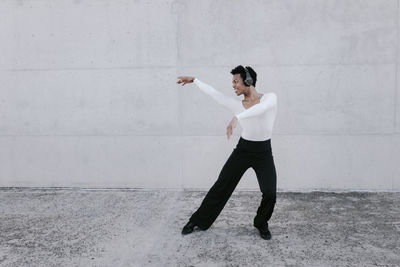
[{"x": 253, "y": 146}]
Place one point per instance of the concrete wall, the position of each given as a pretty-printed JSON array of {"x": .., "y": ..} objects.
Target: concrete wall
[{"x": 88, "y": 93}]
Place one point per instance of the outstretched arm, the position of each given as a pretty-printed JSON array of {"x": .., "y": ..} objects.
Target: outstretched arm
[
  {"x": 259, "y": 108},
  {"x": 222, "y": 99}
]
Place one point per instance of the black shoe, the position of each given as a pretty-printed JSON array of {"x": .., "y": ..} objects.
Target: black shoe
[
  {"x": 264, "y": 232},
  {"x": 188, "y": 228}
]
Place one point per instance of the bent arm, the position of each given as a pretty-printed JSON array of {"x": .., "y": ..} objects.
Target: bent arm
[
  {"x": 259, "y": 108},
  {"x": 222, "y": 99}
]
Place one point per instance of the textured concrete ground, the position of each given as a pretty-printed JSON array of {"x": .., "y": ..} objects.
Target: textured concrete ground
[{"x": 82, "y": 227}]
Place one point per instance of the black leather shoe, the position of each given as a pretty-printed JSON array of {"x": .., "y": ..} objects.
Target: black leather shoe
[
  {"x": 188, "y": 228},
  {"x": 264, "y": 232}
]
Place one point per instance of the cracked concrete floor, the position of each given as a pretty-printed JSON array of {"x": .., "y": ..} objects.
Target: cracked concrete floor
[{"x": 117, "y": 227}]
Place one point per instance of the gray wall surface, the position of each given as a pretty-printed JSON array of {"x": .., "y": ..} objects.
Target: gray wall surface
[{"x": 88, "y": 93}]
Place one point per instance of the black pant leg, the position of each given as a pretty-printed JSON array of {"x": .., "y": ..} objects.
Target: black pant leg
[
  {"x": 220, "y": 192},
  {"x": 264, "y": 168}
]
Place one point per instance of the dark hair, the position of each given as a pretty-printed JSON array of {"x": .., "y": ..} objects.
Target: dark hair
[{"x": 241, "y": 70}]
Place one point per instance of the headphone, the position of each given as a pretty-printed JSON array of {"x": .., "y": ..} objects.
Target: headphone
[{"x": 248, "y": 81}]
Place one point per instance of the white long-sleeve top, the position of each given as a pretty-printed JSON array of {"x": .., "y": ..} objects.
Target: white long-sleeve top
[{"x": 257, "y": 121}]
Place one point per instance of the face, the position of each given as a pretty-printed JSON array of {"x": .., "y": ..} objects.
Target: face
[{"x": 238, "y": 85}]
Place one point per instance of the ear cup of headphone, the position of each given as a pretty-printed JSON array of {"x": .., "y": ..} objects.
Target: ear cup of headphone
[{"x": 248, "y": 81}]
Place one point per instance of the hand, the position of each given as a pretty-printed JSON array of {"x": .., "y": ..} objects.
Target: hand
[
  {"x": 185, "y": 80},
  {"x": 231, "y": 125}
]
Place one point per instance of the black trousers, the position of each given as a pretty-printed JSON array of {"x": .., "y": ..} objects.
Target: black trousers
[{"x": 254, "y": 154}]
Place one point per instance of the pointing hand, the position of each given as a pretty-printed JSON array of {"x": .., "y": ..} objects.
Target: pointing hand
[{"x": 185, "y": 79}]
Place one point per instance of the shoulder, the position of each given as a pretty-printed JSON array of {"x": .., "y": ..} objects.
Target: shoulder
[{"x": 270, "y": 95}]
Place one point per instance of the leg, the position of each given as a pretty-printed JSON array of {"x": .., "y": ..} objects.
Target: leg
[
  {"x": 266, "y": 176},
  {"x": 220, "y": 192}
]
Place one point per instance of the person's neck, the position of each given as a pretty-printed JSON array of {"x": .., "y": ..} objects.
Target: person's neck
[{"x": 251, "y": 95}]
